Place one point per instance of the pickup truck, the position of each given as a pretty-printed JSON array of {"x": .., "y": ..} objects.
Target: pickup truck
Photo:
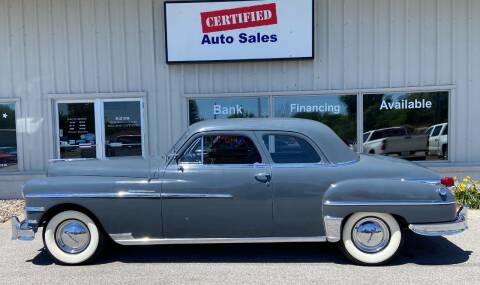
[
  {"x": 438, "y": 140},
  {"x": 396, "y": 141}
]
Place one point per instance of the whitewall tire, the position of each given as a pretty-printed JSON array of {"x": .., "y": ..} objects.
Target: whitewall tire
[
  {"x": 371, "y": 238},
  {"x": 72, "y": 238}
]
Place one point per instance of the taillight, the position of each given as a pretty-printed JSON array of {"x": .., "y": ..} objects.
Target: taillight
[{"x": 447, "y": 181}]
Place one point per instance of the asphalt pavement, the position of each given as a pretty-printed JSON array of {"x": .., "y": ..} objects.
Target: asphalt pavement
[{"x": 423, "y": 260}]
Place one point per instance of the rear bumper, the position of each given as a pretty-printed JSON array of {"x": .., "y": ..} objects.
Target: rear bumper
[
  {"x": 459, "y": 225},
  {"x": 22, "y": 230}
]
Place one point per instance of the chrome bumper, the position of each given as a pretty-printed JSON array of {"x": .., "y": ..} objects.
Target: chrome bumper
[
  {"x": 442, "y": 229},
  {"x": 22, "y": 230}
]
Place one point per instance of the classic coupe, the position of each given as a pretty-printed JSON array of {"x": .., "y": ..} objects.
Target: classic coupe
[{"x": 241, "y": 181}]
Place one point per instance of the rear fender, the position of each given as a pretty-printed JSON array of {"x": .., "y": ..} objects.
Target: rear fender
[{"x": 414, "y": 201}]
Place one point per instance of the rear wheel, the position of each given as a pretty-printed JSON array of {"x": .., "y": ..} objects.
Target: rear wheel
[
  {"x": 72, "y": 238},
  {"x": 371, "y": 238}
]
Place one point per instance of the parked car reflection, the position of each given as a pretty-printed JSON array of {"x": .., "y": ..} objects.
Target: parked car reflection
[
  {"x": 438, "y": 140},
  {"x": 124, "y": 145},
  {"x": 396, "y": 141},
  {"x": 8, "y": 156}
]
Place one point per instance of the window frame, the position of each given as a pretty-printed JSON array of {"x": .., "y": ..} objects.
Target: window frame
[
  {"x": 318, "y": 150},
  {"x": 449, "y": 89},
  {"x": 360, "y": 92},
  {"x": 269, "y": 103},
  {"x": 296, "y": 136},
  {"x": 142, "y": 125},
  {"x": 191, "y": 144},
  {"x": 99, "y": 125},
  {"x": 194, "y": 138},
  {"x": 18, "y": 136}
]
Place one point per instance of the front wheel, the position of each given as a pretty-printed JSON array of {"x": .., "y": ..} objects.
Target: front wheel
[
  {"x": 72, "y": 238},
  {"x": 371, "y": 238}
]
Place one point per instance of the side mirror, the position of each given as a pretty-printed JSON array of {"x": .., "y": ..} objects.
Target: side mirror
[{"x": 175, "y": 157}]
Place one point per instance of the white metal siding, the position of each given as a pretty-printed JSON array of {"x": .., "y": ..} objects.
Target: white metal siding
[{"x": 104, "y": 46}]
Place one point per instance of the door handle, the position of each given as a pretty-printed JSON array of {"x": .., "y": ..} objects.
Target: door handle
[{"x": 263, "y": 177}]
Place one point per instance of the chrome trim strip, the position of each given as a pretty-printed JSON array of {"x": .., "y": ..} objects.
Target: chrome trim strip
[
  {"x": 121, "y": 194},
  {"x": 387, "y": 203},
  {"x": 442, "y": 229},
  {"x": 128, "y": 239},
  {"x": 32, "y": 210},
  {"x": 333, "y": 228},
  {"x": 195, "y": 196},
  {"x": 69, "y": 159},
  {"x": 224, "y": 166},
  {"x": 426, "y": 181},
  {"x": 131, "y": 195},
  {"x": 316, "y": 164}
]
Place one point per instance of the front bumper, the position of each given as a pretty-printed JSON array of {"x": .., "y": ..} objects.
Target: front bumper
[
  {"x": 22, "y": 230},
  {"x": 442, "y": 229}
]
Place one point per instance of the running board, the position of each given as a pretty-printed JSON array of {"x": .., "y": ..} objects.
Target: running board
[{"x": 128, "y": 239}]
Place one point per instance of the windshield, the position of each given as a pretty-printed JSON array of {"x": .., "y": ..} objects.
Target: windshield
[
  {"x": 365, "y": 136},
  {"x": 177, "y": 145}
]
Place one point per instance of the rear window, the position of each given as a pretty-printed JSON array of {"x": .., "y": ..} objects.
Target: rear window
[
  {"x": 290, "y": 149},
  {"x": 387, "y": 133}
]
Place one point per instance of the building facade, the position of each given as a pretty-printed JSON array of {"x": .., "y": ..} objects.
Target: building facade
[{"x": 90, "y": 79}]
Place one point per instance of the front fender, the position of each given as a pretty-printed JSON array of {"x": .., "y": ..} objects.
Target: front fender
[
  {"x": 414, "y": 201},
  {"x": 101, "y": 196}
]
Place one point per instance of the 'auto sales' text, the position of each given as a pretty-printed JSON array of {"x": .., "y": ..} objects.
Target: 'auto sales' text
[{"x": 243, "y": 38}]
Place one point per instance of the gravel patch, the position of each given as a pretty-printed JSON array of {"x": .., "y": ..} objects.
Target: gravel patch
[{"x": 9, "y": 208}]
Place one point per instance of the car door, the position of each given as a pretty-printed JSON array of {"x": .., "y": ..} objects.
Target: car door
[
  {"x": 218, "y": 188},
  {"x": 297, "y": 183}
]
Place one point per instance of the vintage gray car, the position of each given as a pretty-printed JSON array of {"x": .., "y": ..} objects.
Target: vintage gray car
[{"x": 241, "y": 181}]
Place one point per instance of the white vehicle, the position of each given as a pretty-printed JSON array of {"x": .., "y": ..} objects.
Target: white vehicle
[
  {"x": 396, "y": 141},
  {"x": 438, "y": 140}
]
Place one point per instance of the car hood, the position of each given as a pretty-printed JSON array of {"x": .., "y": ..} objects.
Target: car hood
[
  {"x": 129, "y": 167},
  {"x": 389, "y": 167}
]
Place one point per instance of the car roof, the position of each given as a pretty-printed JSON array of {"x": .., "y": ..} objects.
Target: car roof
[
  {"x": 331, "y": 145},
  {"x": 438, "y": 125}
]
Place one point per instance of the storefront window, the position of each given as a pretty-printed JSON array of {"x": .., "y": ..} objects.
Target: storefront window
[
  {"x": 407, "y": 125},
  {"x": 339, "y": 112},
  {"x": 8, "y": 137},
  {"x": 123, "y": 129},
  {"x": 227, "y": 108},
  {"x": 119, "y": 130},
  {"x": 76, "y": 131}
]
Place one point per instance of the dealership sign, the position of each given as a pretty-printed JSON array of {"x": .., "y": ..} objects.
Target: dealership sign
[{"x": 238, "y": 30}]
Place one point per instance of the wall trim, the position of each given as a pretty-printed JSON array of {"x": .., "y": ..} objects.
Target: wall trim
[
  {"x": 92, "y": 96},
  {"x": 323, "y": 92}
]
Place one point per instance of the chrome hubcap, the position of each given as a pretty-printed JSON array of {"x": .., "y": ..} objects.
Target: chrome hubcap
[
  {"x": 72, "y": 236},
  {"x": 371, "y": 235}
]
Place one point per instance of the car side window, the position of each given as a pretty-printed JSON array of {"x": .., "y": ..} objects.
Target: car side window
[
  {"x": 290, "y": 149},
  {"x": 222, "y": 149},
  {"x": 230, "y": 149},
  {"x": 445, "y": 131},
  {"x": 193, "y": 154},
  {"x": 436, "y": 131}
]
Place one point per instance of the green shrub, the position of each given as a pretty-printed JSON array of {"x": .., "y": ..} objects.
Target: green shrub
[{"x": 467, "y": 192}]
